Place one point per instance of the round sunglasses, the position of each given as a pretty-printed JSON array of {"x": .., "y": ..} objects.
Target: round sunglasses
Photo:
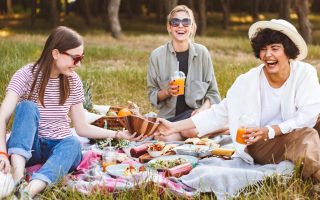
[
  {"x": 175, "y": 22},
  {"x": 76, "y": 58}
]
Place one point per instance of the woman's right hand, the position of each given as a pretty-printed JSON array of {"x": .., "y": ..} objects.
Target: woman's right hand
[
  {"x": 165, "y": 128},
  {"x": 4, "y": 164},
  {"x": 173, "y": 89}
]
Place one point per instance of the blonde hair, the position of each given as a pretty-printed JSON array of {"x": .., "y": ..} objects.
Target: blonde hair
[{"x": 183, "y": 8}]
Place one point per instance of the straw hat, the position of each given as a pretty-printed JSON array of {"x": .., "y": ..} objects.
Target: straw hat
[{"x": 284, "y": 27}]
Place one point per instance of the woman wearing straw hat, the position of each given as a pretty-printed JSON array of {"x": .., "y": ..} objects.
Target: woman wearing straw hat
[
  {"x": 282, "y": 97},
  {"x": 181, "y": 54}
]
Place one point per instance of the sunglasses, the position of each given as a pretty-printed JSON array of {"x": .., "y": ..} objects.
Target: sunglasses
[
  {"x": 175, "y": 22},
  {"x": 76, "y": 58}
]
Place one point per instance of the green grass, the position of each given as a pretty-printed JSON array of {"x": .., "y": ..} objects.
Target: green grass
[{"x": 117, "y": 70}]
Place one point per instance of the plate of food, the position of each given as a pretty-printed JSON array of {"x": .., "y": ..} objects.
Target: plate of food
[
  {"x": 196, "y": 147},
  {"x": 164, "y": 162},
  {"x": 126, "y": 170}
]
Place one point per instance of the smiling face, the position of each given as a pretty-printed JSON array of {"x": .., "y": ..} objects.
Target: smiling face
[
  {"x": 275, "y": 60},
  {"x": 64, "y": 63},
  {"x": 182, "y": 32}
]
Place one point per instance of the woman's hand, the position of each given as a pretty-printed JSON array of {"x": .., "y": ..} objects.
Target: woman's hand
[
  {"x": 253, "y": 135},
  {"x": 4, "y": 164},
  {"x": 165, "y": 128},
  {"x": 173, "y": 89},
  {"x": 128, "y": 136}
]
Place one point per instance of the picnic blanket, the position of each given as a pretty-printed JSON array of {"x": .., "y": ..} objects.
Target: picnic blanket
[
  {"x": 88, "y": 177},
  {"x": 227, "y": 177}
]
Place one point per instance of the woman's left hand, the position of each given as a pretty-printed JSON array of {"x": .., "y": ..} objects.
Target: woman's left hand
[{"x": 255, "y": 134}]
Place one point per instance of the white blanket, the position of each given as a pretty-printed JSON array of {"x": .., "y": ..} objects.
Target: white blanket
[{"x": 226, "y": 177}]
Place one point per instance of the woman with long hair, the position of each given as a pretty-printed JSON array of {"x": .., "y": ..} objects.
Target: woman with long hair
[{"x": 43, "y": 95}]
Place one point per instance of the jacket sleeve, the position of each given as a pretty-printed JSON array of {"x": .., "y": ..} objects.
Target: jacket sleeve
[
  {"x": 213, "y": 92},
  {"x": 212, "y": 119},
  {"x": 152, "y": 83},
  {"x": 307, "y": 101}
]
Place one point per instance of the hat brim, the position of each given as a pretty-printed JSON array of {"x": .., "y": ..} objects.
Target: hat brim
[{"x": 294, "y": 36}]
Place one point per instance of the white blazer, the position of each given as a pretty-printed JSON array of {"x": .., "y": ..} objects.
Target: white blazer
[{"x": 300, "y": 104}]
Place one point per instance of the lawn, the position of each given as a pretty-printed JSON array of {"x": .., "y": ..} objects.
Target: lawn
[{"x": 117, "y": 71}]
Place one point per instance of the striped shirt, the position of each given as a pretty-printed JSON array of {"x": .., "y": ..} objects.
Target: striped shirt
[{"x": 54, "y": 120}]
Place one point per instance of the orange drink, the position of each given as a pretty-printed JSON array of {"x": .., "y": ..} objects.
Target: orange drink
[
  {"x": 240, "y": 132},
  {"x": 179, "y": 82},
  {"x": 107, "y": 163}
]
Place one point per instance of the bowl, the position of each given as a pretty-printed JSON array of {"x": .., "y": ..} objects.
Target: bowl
[
  {"x": 155, "y": 154},
  {"x": 139, "y": 125}
]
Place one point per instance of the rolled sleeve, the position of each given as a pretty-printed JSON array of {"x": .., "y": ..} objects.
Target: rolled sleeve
[{"x": 212, "y": 119}]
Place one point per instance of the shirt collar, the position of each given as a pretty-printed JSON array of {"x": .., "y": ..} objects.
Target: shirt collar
[{"x": 192, "y": 50}]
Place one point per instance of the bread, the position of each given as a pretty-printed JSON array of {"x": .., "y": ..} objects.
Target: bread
[{"x": 223, "y": 152}]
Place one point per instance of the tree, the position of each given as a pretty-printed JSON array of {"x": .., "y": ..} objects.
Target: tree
[
  {"x": 226, "y": 13},
  {"x": 284, "y": 12},
  {"x": 113, "y": 15},
  {"x": 9, "y": 7},
  {"x": 54, "y": 13},
  {"x": 302, "y": 9},
  {"x": 202, "y": 17},
  {"x": 85, "y": 10},
  {"x": 255, "y": 8},
  {"x": 169, "y": 5}
]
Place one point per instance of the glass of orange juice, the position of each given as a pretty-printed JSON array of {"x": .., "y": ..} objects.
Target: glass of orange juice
[
  {"x": 179, "y": 79},
  {"x": 108, "y": 158},
  {"x": 244, "y": 123}
]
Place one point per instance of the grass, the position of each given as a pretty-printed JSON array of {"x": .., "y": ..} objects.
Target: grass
[{"x": 117, "y": 70}]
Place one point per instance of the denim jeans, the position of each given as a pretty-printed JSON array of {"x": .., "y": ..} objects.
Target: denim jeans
[{"x": 58, "y": 156}]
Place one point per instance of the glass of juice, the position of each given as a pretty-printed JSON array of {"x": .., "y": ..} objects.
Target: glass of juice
[
  {"x": 244, "y": 123},
  {"x": 108, "y": 158},
  {"x": 179, "y": 79}
]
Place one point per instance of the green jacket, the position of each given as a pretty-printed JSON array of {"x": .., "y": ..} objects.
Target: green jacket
[{"x": 200, "y": 84}]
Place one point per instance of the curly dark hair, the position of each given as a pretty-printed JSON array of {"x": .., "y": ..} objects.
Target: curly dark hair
[{"x": 269, "y": 36}]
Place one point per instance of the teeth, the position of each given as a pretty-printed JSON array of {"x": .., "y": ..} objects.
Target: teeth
[{"x": 271, "y": 62}]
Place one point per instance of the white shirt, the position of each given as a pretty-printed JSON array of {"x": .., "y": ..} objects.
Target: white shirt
[
  {"x": 300, "y": 103},
  {"x": 270, "y": 102}
]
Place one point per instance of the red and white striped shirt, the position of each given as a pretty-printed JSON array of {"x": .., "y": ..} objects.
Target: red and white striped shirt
[{"x": 54, "y": 119}]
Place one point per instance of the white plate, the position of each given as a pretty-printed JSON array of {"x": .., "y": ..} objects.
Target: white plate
[
  {"x": 118, "y": 170},
  {"x": 192, "y": 150},
  {"x": 190, "y": 159}
]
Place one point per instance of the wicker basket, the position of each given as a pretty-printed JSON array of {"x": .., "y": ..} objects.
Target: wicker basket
[{"x": 113, "y": 122}]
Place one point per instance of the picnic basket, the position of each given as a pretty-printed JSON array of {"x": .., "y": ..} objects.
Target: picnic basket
[{"x": 110, "y": 122}]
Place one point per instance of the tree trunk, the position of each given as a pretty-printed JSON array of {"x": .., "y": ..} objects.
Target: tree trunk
[
  {"x": 302, "y": 10},
  {"x": 33, "y": 11},
  {"x": 191, "y": 5},
  {"x": 129, "y": 10},
  {"x": 226, "y": 13},
  {"x": 202, "y": 17},
  {"x": 113, "y": 14},
  {"x": 85, "y": 10},
  {"x": 169, "y": 5},
  {"x": 159, "y": 11},
  {"x": 9, "y": 7},
  {"x": 284, "y": 12},
  {"x": 255, "y": 9},
  {"x": 54, "y": 14}
]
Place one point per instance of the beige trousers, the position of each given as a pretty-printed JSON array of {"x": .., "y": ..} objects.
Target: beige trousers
[{"x": 301, "y": 145}]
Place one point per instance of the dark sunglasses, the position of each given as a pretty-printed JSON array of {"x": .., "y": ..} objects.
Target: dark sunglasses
[
  {"x": 76, "y": 58},
  {"x": 175, "y": 22}
]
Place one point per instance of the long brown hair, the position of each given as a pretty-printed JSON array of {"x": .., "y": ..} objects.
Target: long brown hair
[{"x": 61, "y": 38}]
